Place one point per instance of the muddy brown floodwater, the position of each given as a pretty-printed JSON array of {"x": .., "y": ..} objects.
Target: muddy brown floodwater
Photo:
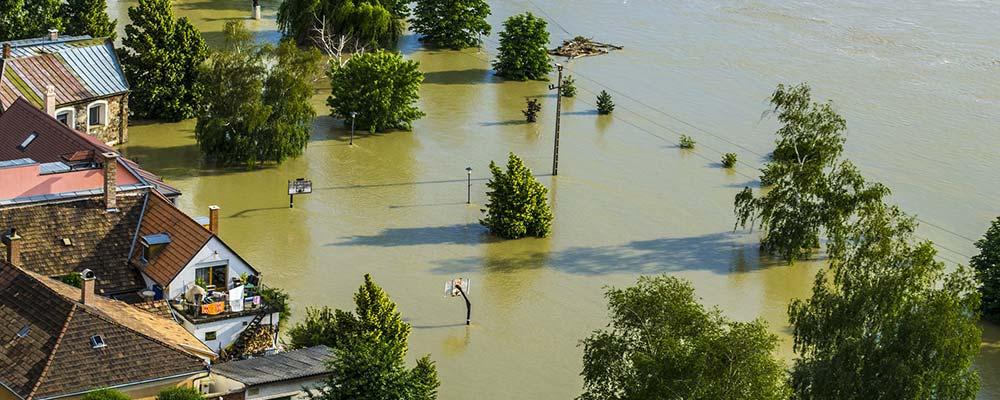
[{"x": 917, "y": 86}]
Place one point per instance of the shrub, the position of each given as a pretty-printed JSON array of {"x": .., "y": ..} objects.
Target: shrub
[
  {"x": 105, "y": 394},
  {"x": 72, "y": 279},
  {"x": 987, "y": 267},
  {"x": 568, "y": 87},
  {"x": 518, "y": 204},
  {"x": 729, "y": 160},
  {"x": 687, "y": 142},
  {"x": 522, "y": 54},
  {"x": 278, "y": 299},
  {"x": 380, "y": 86},
  {"x": 604, "y": 103},
  {"x": 531, "y": 113},
  {"x": 180, "y": 393}
]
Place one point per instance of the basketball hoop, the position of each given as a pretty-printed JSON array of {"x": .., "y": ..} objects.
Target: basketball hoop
[{"x": 460, "y": 286}]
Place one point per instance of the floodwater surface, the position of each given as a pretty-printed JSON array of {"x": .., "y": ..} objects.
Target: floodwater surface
[{"x": 917, "y": 85}]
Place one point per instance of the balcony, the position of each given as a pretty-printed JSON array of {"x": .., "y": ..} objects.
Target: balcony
[{"x": 216, "y": 306}]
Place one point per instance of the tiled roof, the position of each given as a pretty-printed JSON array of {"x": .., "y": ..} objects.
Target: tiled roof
[
  {"x": 187, "y": 237},
  {"x": 80, "y": 70},
  {"x": 99, "y": 240},
  {"x": 48, "y": 350},
  {"x": 295, "y": 364},
  {"x": 57, "y": 142}
]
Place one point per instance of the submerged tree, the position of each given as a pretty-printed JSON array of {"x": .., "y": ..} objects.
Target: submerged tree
[
  {"x": 375, "y": 23},
  {"x": 987, "y": 266},
  {"x": 531, "y": 113},
  {"x": 522, "y": 54},
  {"x": 255, "y": 113},
  {"x": 162, "y": 58},
  {"x": 25, "y": 19},
  {"x": 454, "y": 24},
  {"x": 812, "y": 190},
  {"x": 381, "y": 87},
  {"x": 886, "y": 321},
  {"x": 662, "y": 344},
  {"x": 604, "y": 103},
  {"x": 568, "y": 87},
  {"x": 88, "y": 17},
  {"x": 518, "y": 204}
]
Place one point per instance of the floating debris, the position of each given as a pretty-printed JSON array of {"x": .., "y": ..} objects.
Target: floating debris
[{"x": 582, "y": 47}]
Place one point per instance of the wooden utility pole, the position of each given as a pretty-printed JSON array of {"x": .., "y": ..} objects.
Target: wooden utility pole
[{"x": 558, "y": 89}]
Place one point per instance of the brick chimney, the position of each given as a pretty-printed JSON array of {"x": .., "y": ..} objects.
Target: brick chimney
[
  {"x": 6, "y": 50},
  {"x": 13, "y": 243},
  {"x": 89, "y": 280},
  {"x": 50, "y": 100},
  {"x": 213, "y": 219},
  {"x": 110, "y": 181},
  {"x": 53, "y": 34}
]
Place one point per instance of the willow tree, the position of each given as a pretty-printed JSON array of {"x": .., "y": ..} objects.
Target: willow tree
[
  {"x": 373, "y": 23},
  {"x": 454, "y": 24},
  {"x": 522, "y": 54},
  {"x": 25, "y": 19},
  {"x": 886, "y": 320},
  {"x": 88, "y": 17}
]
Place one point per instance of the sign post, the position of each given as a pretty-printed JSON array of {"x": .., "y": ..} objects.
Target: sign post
[{"x": 298, "y": 186}]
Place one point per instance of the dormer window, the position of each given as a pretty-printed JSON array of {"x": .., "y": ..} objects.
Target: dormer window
[
  {"x": 152, "y": 245},
  {"x": 27, "y": 141}
]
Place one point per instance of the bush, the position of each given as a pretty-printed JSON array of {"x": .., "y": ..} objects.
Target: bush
[
  {"x": 518, "y": 204},
  {"x": 180, "y": 393},
  {"x": 568, "y": 87},
  {"x": 522, "y": 54},
  {"x": 729, "y": 160},
  {"x": 380, "y": 86},
  {"x": 531, "y": 113},
  {"x": 105, "y": 394},
  {"x": 278, "y": 299},
  {"x": 604, "y": 104},
  {"x": 987, "y": 267},
  {"x": 72, "y": 279},
  {"x": 454, "y": 24},
  {"x": 687, "y": 142}
]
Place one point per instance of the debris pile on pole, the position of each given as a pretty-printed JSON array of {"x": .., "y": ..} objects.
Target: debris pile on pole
[{"x": 582, "y": 47}]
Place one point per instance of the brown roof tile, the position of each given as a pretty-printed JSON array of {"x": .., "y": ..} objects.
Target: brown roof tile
[{"x": 187, "y": 237}]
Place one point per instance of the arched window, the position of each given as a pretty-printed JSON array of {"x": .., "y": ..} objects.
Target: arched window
[
  {"x": 97, "y": 113},
  {"x": 66, "y": 116}
]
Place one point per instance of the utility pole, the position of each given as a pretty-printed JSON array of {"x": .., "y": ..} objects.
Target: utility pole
[{"x": 558, "y": 89}]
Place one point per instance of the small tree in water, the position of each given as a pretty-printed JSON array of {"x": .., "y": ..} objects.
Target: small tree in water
[
  {"x": 517, "y": 203},
  {"x": 522, "y": 54},
  {"x": 568, "y": 87},
  {"x": 380, "y": 86},
  {"x": 604, "y": 103},
  {"x": 531, "y": 113},
  {"x": 454, "y": 24},
  {"x": 987, "y": 266}
]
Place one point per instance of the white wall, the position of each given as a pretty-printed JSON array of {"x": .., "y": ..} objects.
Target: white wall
[{"x": 214, "y": 250}]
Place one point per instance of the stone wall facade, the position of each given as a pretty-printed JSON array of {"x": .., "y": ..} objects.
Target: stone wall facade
[{"x": 114, "y": 130}]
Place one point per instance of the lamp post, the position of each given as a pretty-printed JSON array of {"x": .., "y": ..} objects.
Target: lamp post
[
  {"x": 353, "y": 116},
  {"x": 468, "y": 195},
  {"x": 558, "y": 89}
]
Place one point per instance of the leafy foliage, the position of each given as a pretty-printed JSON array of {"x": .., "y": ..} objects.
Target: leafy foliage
[
  {"x": 729, "y": 160},
  {"x": 105, "y": 394},
  {"x": 687, "y": 142},
  {"x": 278, "y": 299},
  {"x": 531, "y": 113},
  {"x": 987, "y": 267},
  {"x": 522, "y": 54},
  {"x": 886, "y": 321},
  {"x": 255, "y": 114},
  {"x": 180, "y": 393},
  {"x": 454, "y": 24},
  {"x": 162, "y": 58},
  {"x": 24, "y": 19},
  {"x": 517, "y": 203},
  {"x": 375, "y": 23},
  {"x": 812, "y": 189},
  {"x": 568, "y": 87},
  {"x": 604, "y": 103},
  {"x": 88, "y": 17},
  {"x": 662, "y": 344},
  {"x": 73, "y": 279},
  {"x": 380, "y": 86}
]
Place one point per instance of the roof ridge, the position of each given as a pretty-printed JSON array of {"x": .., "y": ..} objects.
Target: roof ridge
[{"x": 52, "y": 354}]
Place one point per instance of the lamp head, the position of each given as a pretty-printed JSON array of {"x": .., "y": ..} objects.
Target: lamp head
[{"x": 468, "y": 170}]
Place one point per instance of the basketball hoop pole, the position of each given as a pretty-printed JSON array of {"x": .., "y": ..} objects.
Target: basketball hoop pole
[{"x": 468, "y": 305}]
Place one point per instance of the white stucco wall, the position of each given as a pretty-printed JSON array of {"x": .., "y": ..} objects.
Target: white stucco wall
[{"x": 213, "y": 251}]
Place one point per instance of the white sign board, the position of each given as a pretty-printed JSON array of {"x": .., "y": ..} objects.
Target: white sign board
[
  {"x": 451, "y": 286},
  {"x": 300, "y": 186}
]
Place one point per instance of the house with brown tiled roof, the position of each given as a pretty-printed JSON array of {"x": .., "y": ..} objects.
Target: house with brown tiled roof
[
  {"x": 62, "y": 342},
  {"x": 76, "y": 79}
]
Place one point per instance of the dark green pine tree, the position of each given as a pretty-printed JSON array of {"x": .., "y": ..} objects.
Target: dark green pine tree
[
  {"x": 518, "y": 204},
  {"x": 25, "y": 19},
  {"x": 88, "y": 17},
  {"x": 522, "y": 54},
  {"x": 604, "y": 103},
  {"x": 987, "y": 266},
  {"x": 162, "y": 57},
  {"x": 455, "y": 24}
]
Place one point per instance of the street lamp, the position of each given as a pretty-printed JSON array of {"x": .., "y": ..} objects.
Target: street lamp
[
  {"x": 468, "y": 196},
  {"x": 353, "y": 116}
]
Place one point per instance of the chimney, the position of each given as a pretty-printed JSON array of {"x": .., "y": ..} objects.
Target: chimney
[
  {"x": 13, "y": 242},
  {"x": 53, "y": 34},
  {"x": 110, "y": 185},
  {"x": 87, "y": 288},
  {"x": 213, "y": 219},
  {"x": 6, "y": 50},
  {"x": 50, "y": 100}
]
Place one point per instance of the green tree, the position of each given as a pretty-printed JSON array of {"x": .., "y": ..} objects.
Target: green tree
[
  {"x": 278, "y": 299},
  {"x": 162, "y": 58},
  {"x": 812, "y": 190},
  {"x": 255, "y": 113},
  {"x": 604, "y": 103},
  {"x": 568, "y": 87},
  {"x": 522, "y": 54},
  {"x": 454, "y": 24},
  {"x": 517, "y": 203},
  {"x": 374, "y": 23},
  {"x": 662, "y": 344},
  {"x": 987, "y": 267},
  {"x": 88, "y": 17},
  {"x": 25, "y": 19},
  {"x": 380, "y": 86},
  {"x": 180, "y": 393},
  {"x": 105, "y": 394},
  {"x": 886, "y": 321}
]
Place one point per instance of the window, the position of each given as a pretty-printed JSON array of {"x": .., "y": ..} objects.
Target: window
[
  {"x": 27, "y": 141},
  {"x": 215, "y": 275},
  {"x": 66, "y": 116},
  {"x": 97, "y": 113},
  {"x": 97, "y": 341},
  {"x": 211, "y": 335}
]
